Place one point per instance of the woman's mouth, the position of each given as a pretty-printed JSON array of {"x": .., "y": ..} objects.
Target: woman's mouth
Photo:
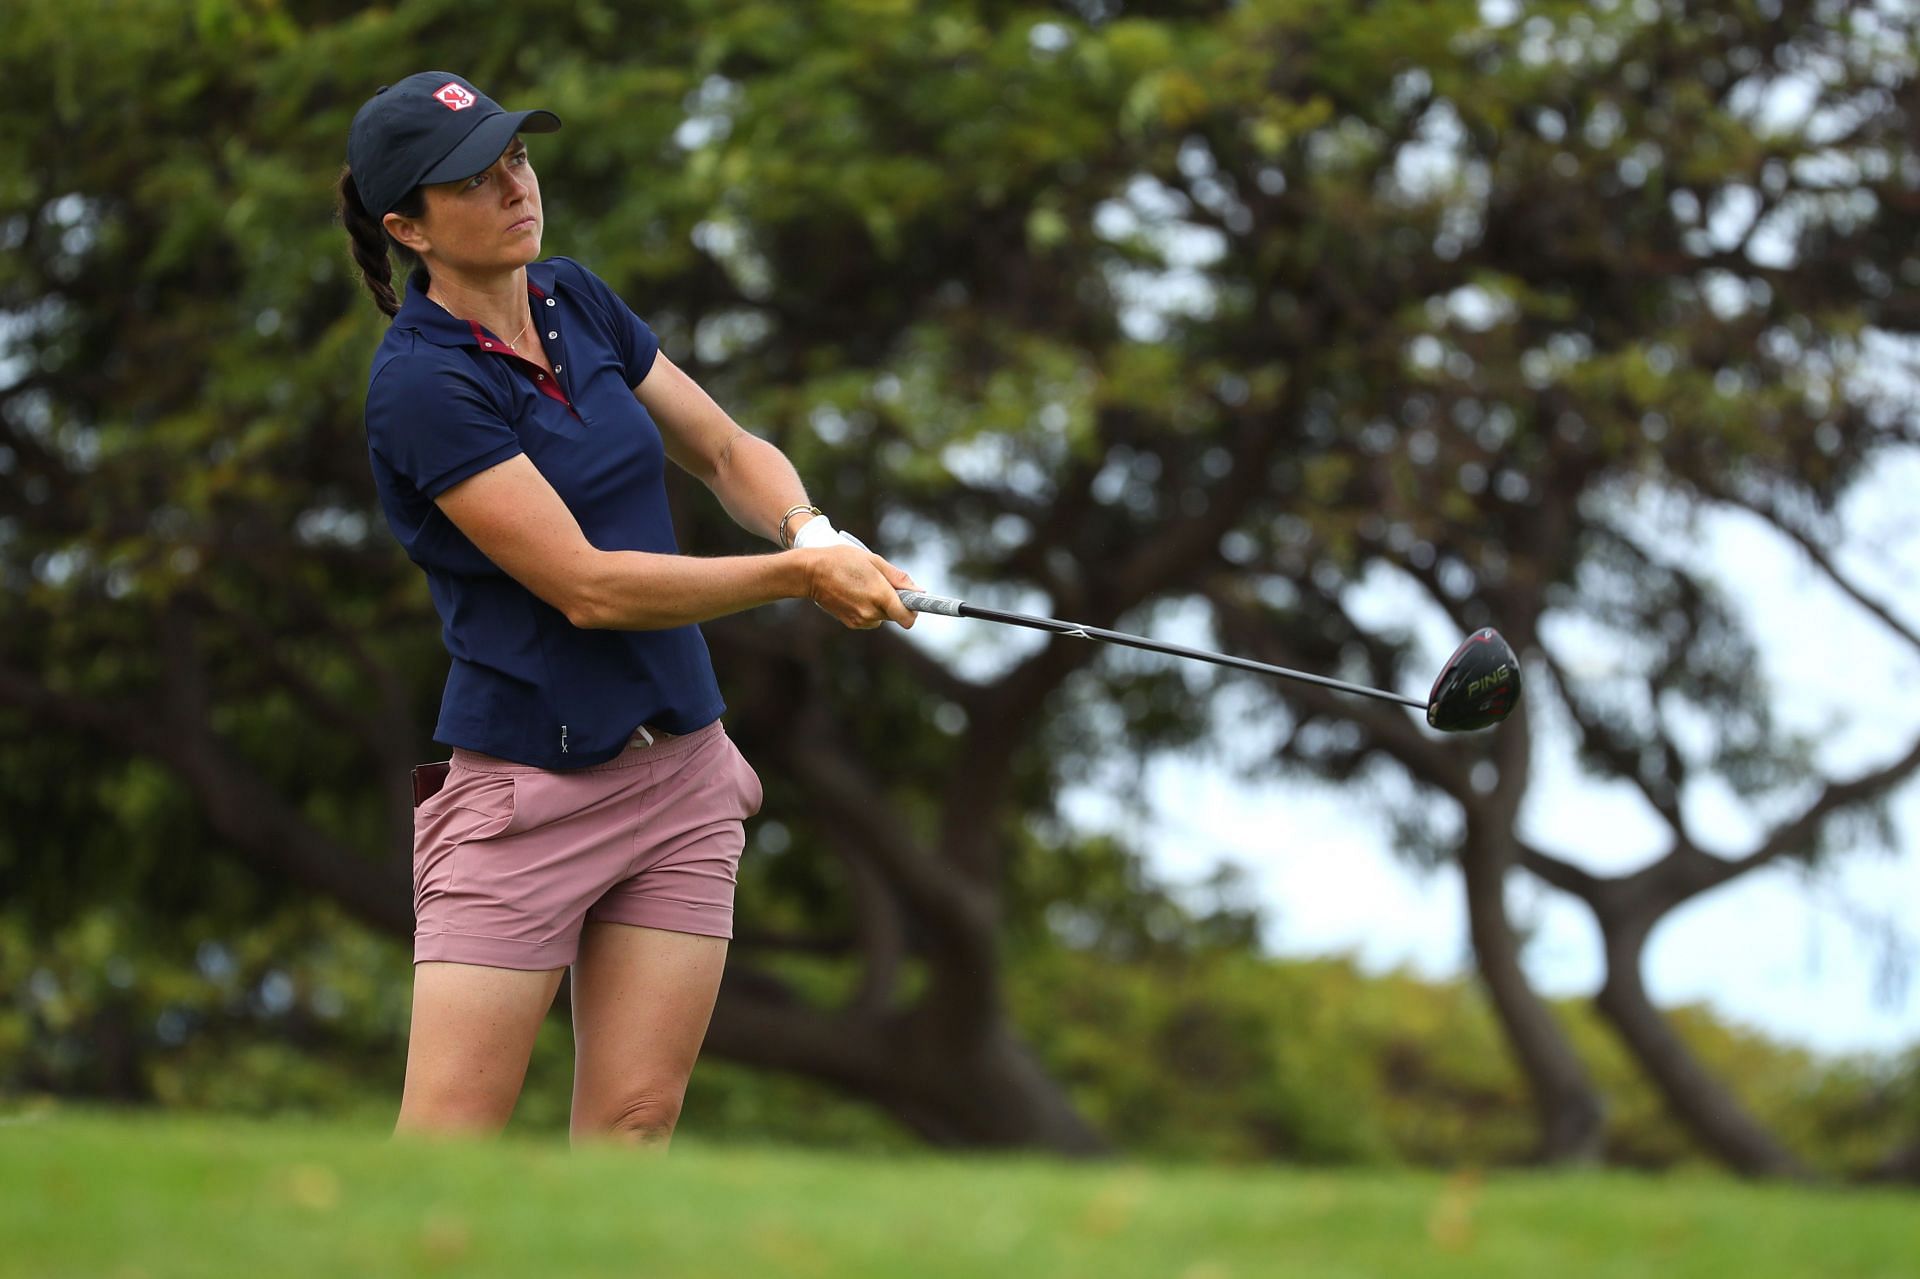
[{"x": 522, "y": 225}]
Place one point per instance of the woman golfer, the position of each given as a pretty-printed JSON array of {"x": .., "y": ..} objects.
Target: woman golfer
[{"x": 519, "y": 418}]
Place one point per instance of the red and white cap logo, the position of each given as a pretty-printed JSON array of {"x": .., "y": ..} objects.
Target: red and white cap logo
[{"x": 453, "y": 97}]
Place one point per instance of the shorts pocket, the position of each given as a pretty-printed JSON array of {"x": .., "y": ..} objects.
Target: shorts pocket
[
  {"x": 752, "y": 794},
  {"x": 469, "y": 789},
  {"x": 471, "y": 806}
]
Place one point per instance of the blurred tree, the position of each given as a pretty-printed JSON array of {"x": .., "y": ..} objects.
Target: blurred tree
[
  {"x": 1217, "y": 315},
  {"x": 1672, "y": 237}
]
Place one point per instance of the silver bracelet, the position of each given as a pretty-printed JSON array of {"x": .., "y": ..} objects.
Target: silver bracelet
[{"x": 791, "y": 512}]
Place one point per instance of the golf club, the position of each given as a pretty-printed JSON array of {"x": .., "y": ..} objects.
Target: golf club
[{"x": 1477, "y": 688}]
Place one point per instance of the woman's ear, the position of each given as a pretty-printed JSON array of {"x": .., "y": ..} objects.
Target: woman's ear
[{"x": 407, "y": 231}]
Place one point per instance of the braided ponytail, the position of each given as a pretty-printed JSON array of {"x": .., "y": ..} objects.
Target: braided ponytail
[{"x": 371, "y": 243}]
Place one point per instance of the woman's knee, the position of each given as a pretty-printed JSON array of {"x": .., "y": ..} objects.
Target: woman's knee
[{"x": 646, "y": 1118}]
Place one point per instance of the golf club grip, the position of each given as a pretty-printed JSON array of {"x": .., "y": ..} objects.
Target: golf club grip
[{"x": 921, "y": 602}]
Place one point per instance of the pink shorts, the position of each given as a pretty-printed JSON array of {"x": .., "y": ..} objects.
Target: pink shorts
[{"x": 509, "y": 860}]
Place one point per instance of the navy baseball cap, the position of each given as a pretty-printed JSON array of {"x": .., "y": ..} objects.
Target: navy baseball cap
[{"x": 432, "y": 126}]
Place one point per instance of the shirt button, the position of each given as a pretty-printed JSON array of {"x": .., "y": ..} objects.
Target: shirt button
[
  {"x": 558, "y": 367},
  {"x": 488, "y": 345},
  {"x": 539, "y": 377},
  {"x": 553, "y": 333},
  {"x": 549, "y": 301}
]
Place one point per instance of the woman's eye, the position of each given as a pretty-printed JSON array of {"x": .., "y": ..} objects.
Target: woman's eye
[{"x": 476, "y": 179}]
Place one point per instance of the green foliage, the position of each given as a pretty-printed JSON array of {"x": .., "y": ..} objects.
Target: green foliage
[
  {"x": 299, "y": 1015},
  {"x": 1176, "y": 1039},
  {"x": 1229, "y": 1056}
]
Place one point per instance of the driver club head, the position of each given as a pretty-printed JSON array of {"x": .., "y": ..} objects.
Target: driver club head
[{"x": 1478, "y": 687}]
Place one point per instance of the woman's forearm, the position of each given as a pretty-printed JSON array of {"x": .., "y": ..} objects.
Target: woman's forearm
[
  {"x": 644, "y": 591},
  {"x": 756, "y": 484}
]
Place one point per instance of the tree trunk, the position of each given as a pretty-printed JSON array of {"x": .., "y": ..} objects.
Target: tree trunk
[
  {"x": 1568, "y": 1109},
  {"x": 1902, "y": 1165},
  {"x": 1709, "y": 1111},
  {"x": 986, "y": 1092},
  {"x": 995, "y": 1096}
]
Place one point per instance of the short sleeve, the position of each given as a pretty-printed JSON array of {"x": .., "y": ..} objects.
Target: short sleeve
[
  {"x": 435, "y": 425},
  {"x": 632, "y": 338}
]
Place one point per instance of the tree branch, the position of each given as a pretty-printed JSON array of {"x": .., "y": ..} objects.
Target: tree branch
[
  {"x": 241, "y": 807},
  {"x": 1821, "y": 560},
  {"x": 1392, "y": 731},
  {"x": 1559, "y": 872},
  {"x": 1795, "y": 837},
  {"x": 1619, "y": 754},
  {"x": 865, "y": 815}
]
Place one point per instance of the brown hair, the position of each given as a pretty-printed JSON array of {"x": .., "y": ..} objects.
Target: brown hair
[{"x": 372, "y": 243}]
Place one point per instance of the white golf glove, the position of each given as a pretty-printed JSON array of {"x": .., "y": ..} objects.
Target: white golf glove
[{"x": 819, "y": 531}]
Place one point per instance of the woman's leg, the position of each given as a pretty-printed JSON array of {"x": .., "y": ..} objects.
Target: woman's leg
[
  {"x": 472, "y": 1034},
  {"x": 642, "y": 998}
]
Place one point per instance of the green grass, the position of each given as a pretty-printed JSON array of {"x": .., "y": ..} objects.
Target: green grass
[{"x": 125, "y": 1195}]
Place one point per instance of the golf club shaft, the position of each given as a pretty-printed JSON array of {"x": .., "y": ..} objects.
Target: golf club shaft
[{"x": 921, "y": 602}]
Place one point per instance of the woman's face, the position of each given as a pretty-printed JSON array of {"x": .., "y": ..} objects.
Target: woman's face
[{"x": 490, "y": 221}]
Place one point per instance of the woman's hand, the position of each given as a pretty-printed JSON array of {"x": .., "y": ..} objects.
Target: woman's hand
[{"x": 858, "y": 587}]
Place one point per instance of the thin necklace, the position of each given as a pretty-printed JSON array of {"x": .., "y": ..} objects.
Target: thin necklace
[
  {"x": 525, "y": 325},
  {"x": 523, "y": 328}
]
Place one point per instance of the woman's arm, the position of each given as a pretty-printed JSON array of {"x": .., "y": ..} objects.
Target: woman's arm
[
  {"x": 753, "y": 480},
  {"x": 512, "y": 514}
]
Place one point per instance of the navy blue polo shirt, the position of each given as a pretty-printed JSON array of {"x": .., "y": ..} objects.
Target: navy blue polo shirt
[{"x": 447, "y": 399}]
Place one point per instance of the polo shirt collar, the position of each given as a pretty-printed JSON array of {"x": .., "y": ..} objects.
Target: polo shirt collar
[{"x": 436, "y": 324}]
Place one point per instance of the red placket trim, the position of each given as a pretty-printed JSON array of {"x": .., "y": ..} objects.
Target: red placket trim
[{"x": 549, "y": 387}]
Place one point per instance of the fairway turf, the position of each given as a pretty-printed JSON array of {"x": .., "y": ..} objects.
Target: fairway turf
[{"x": 85, "y": 1193}]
